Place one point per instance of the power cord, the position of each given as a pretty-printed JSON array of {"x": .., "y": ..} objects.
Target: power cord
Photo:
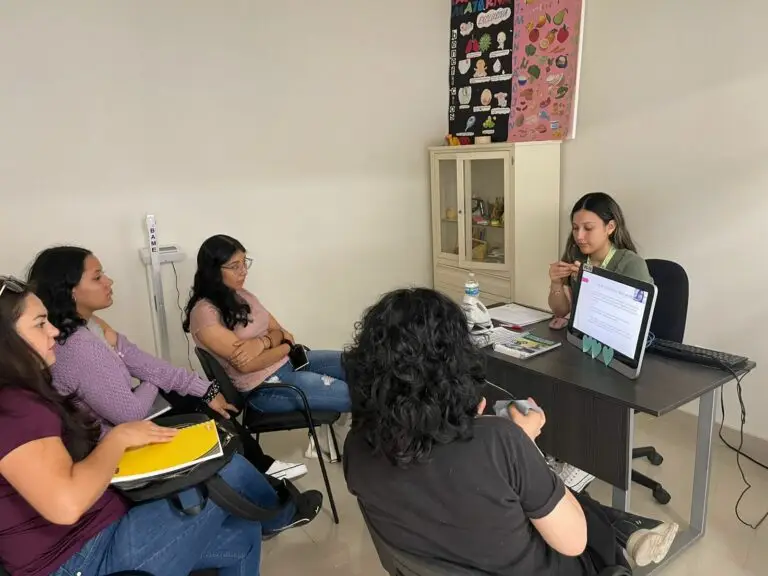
[
  {"x": 738, "y": 450},
  {"x": 181, "y": 315}
]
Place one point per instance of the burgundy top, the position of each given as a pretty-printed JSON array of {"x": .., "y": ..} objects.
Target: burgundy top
[{"x": 29, "y": 544}]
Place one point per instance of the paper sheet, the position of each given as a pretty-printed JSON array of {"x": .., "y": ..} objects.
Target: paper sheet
[{"x": 518, "y": 315}]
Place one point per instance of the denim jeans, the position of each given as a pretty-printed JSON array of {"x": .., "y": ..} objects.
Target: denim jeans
[
  {"x": 322, "y": 381},
  {"x": 158, "y": 539}
]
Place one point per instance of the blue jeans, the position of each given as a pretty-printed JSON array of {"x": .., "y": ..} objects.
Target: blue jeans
[
  {"x": 322, "y": 381},
  {"x": 163, "y": 541}
]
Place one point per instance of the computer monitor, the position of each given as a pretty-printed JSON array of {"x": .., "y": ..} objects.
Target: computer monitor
[{"x": 616, "y": 311}]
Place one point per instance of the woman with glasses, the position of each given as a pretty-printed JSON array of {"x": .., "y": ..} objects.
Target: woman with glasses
[
  {"x": 58, "y": 515},
  {"x": 232, "y": 324},
  {"x": 98, "y": 365}
]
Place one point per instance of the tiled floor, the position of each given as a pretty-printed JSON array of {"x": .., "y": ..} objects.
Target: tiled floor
[{"x": 727, "y": 548}]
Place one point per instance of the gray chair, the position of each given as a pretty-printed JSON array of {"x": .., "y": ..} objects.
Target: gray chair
[{"x": 399, "y": 563}]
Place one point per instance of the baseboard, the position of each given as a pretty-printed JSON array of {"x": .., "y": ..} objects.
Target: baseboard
[{"x": 755, "y": 446}]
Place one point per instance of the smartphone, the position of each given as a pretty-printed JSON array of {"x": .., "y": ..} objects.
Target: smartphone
[{"x": 298, "y": 357}]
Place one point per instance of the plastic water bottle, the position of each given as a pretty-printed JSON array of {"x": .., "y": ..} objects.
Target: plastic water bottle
[{"x": 471, "y": 291}]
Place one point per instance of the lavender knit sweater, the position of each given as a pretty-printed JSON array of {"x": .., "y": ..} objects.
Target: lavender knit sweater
[{"x": 102, "y": 378}]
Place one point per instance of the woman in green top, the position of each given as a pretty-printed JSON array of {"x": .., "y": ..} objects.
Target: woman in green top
[{"x": 599, "y": 237}]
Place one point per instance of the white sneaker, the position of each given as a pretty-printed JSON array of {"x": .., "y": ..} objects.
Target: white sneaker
[
  {"x": 326, "y": 445},
  {"x": 286, "y": 470},
  {"x": 646, "y": 546},
  {"x": 574, "y": 478}
]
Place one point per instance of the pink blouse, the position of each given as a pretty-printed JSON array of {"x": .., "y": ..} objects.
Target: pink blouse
[{"x": 205, "y": 314}]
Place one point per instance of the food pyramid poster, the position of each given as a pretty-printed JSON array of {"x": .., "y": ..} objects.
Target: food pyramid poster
[{"x": 514, "y": 69}]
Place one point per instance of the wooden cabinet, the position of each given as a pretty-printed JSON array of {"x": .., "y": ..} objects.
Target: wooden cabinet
[{"x": 495, "y": 212}]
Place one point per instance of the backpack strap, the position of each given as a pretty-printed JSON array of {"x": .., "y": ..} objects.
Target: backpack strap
[{"x": 231, "y": 501}]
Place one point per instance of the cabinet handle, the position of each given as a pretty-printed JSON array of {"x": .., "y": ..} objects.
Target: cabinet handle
[{"x": 461, "y": 211}]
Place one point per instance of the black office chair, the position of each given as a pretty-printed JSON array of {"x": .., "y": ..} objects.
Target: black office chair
[
  {"x": 669, "y": 318},
  {"x": 399, "y": 563},
  {"x": 261, "y": 423}
]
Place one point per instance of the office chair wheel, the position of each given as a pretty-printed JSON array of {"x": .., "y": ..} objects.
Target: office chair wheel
[
  {"x": 661, "y": 496},
  {"x": 656, "y": 459}
]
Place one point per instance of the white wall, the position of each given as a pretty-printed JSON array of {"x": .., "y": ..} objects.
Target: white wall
[
  {"x": 673, "y": 123},
  {"x": 299, "y": 127}
]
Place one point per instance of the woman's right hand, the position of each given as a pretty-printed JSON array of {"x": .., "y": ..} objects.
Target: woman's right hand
[
  {"x": 532, "y": 423},
  {"x": 142, "y": 433},
  {"x": 559, "y": 271},
  {"x": 245, "y": 351}
]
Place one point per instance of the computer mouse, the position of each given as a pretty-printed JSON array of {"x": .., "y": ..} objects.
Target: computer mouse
[
  {"x": 558, "y": 323},
  {"x": 524, "y": 407}
]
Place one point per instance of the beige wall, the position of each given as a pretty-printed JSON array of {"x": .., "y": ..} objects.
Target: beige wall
[
  {"x": 315, "y": 156},
  {"x": 299, "y": 127},
  {"x": 673, "y": 123}
]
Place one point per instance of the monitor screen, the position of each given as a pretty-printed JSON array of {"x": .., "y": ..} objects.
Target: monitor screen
[{"x": 610, "y": 312}]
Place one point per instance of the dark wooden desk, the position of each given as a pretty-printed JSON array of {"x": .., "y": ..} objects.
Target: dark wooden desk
[{"x": 590, "y": 412}]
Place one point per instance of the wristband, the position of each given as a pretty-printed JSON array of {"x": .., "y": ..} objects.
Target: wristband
[{"x": 213, "y": 391}]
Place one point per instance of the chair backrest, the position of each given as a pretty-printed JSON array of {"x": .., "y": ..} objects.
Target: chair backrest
[
  {"x": 671, "y": 312},
  {"x": 399, "y": 563},
  {"x": 216, "y": 373}
]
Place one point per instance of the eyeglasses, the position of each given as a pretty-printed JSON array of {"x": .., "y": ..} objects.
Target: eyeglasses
[
  {"x": 239, "y": 266},
  {"x": 12, "y": 285}
]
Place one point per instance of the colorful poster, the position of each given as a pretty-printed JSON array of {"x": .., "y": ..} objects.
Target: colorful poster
[
  {"x": 546, "y": 50},
  {"x": 480, "y": 69}
]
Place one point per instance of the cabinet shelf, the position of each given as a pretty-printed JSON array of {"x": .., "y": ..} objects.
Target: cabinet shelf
[{"x": 500, "y": 227}]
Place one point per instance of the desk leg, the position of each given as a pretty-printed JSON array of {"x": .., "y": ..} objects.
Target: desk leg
[
  {"x": 703, "y": 463},
  {"x": 701, "y": 468},
  {"x": 621, "y": 496}
]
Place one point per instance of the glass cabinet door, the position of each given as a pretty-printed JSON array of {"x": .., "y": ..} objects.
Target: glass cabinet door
[
  {"x": 485, "y": 223},
  {"x": 447, "y": 182}
]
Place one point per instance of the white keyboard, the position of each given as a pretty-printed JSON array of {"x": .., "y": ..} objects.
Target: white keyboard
[{"x": 497, "y": 336}]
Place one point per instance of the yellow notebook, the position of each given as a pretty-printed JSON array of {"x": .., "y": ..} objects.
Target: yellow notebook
[{"x": 192, "y": 445}]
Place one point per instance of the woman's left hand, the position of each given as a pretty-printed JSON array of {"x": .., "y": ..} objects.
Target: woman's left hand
[{"x": 220, "y": 405}]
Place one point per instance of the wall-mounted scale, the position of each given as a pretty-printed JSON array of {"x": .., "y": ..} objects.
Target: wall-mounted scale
[{"x": 154, "y": 256}]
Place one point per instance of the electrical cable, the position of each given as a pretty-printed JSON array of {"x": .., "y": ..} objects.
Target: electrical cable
[
  {"x": 181, "y": 315},
  {"x": 738, "y": 450}
]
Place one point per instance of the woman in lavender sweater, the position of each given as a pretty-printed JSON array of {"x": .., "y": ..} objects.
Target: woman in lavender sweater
[{"x": 97, "y": 365}]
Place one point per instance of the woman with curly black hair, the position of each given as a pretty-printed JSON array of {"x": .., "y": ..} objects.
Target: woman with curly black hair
[{"x": 437, "y": 481}]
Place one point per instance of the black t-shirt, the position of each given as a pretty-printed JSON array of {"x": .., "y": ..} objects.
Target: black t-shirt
[{"x": 470, "y": 504}]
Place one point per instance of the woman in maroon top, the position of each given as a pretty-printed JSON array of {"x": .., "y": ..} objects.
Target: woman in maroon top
[{"x": 57, "y": 513}]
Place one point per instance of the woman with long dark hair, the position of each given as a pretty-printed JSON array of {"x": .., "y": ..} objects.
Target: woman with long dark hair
[
  {"x": 97, "y": 364},
  {"x": 438, "y": 481},
  {"x": 58, "y": 515},
  {"x": 231, "y": 323},
  {"x": 599, "y": 237}
]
